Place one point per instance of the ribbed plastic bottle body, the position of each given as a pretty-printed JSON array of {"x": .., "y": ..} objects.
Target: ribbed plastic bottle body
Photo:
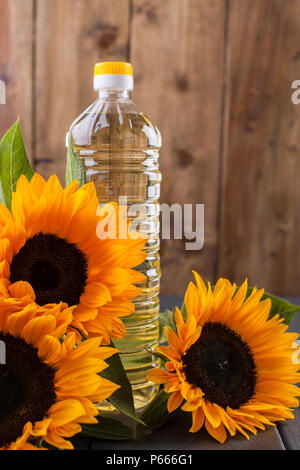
[{"x": 119, "y": 149}]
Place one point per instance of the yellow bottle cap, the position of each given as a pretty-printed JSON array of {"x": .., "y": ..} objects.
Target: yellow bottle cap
[
  {"x": 113, "y": 75},
  {"x": 113, "y": 68}
]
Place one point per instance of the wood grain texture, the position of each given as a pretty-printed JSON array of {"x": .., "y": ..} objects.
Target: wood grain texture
[
  {"x": 16, "y": 65},
  {"x": 260, "y": 204},
  {"x": 215, "y": 76},
  {"x": 177, "y": 50},
  {"x": 174, "y": 435},
  {"x": 290, "y": 432},
  {"x": 72, "y": 35}
]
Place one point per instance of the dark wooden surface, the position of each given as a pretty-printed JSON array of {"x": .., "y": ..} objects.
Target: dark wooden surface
[{"x": 174, "y": 435}]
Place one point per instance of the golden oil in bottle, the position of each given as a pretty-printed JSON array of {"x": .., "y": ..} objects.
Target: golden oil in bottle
[{"x": 119, "y": 149}]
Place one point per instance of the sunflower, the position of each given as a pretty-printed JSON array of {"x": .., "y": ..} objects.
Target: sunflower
[
  {"x": 48, "y": 386},
  {"x": 228, "y": 361},
  {"x": 51, "y": 251}
]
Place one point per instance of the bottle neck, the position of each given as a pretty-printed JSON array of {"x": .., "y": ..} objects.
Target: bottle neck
[{"x": 114, "y": 93}]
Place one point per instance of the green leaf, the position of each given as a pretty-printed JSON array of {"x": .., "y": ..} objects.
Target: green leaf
[
  {"x": 166, "y": 318},
  {"x": 183, "y": 311},
  {"x": 107, "y": 428},
  {"x": 155, "y": 414},
  {"x": 74, "y": 168},
  {"x": 13, "y": 162},
  {"x": 122, "y": 399}
]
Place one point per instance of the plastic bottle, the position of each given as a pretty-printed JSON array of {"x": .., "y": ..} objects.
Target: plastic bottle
[{"x": 119, "y": 149}]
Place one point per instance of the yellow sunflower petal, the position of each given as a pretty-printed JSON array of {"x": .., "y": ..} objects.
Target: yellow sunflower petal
[
  {"x": 40, "y": 428},
  {"x": 212, "y": 413},
  {"x": 218, "y": 433},
  {"x": 66, "y": 388},
  {"x": 65, "y": 411},
  {"x": 95, "y": 295},
  {"x": 43, "y": 209},
  {"x": 174, "y": 401},
  {"x": 57, "y": 441},
  {"x": 198, "y": 420},
  {"x": 158, "y": 376},
  {"x": 49, "y": 348},
  {"x": 269, "y": 356},
  {"x": 37, "y": 328},
  {"x": 21, "y": 289}
]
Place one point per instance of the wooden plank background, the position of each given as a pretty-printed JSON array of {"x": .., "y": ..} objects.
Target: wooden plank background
[
  {"x": 215, "y": 76},
  {"x": 16, "y": 66}
]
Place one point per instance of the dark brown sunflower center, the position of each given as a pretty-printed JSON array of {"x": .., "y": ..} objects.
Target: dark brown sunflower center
[
  {"x": 222, "y": 365},
  {"x": 26, "y": 388},
  {"x": 56, "y": 269}
]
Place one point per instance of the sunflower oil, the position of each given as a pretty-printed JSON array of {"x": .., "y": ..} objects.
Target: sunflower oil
[{"x": 119, "y": 149}]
